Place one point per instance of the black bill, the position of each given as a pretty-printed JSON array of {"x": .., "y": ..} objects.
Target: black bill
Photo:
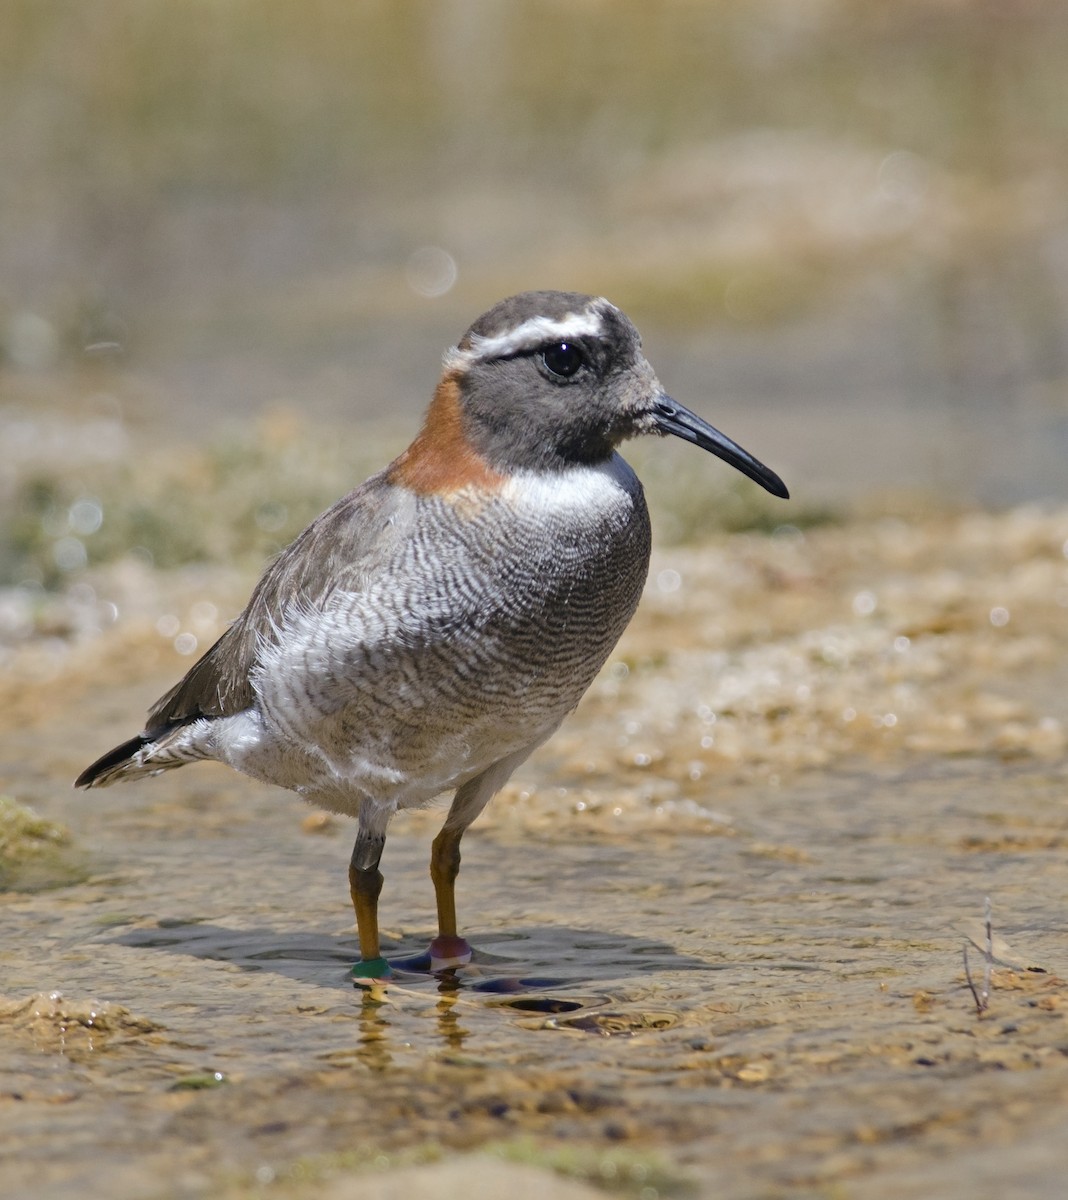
[{"x": 675, "y": 419}]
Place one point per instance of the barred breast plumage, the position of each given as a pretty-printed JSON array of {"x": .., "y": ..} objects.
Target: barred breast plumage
[{"x": 475, "y": 638}]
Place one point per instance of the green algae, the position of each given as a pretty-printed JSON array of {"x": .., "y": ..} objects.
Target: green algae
[{"x": 35, "y": 853}]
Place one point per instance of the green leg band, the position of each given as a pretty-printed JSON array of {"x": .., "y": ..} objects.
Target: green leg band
[{"x": 371, "y": 968}]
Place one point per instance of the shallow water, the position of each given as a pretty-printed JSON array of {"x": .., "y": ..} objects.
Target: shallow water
[
  {"x": 738, "y": 965},
  {"x": 792, "y": 992}
]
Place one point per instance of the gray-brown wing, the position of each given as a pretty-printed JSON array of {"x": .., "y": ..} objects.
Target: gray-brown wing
[{"x": 335, "y": 550}]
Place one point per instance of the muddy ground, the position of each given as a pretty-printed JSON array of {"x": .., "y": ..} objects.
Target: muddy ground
[{"x": 720, "y": 919}]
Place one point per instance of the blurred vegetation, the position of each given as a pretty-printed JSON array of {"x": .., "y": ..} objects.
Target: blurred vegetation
[
  {"x": 35, "y": 853},
  {"x": 162, "y": 158},
  {"x": 691, "y": 497},
  {"x": 238, "y": 500},
  {"x": 221, "y": 202}
]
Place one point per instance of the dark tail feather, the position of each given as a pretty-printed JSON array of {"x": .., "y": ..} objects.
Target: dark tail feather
[
  {"x": 160, "y": 749},
  {"x": 107, "y": 765}
]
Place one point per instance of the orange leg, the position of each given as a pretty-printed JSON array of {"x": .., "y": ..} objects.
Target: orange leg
[
  {"x": 448, "y": 949},
  {"x": 365, "y": 886}
]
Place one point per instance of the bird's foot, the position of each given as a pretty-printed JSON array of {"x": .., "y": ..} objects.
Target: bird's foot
[
  {"x": 372, "y": 970},
  {"x": 448, "y": 950},
  {"x": 443, "y": 954}
]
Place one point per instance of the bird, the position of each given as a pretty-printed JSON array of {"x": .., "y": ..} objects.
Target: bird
[{"x": 435, "y": 626}]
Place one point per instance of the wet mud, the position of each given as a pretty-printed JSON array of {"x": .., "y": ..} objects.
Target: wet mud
[{"x": 720, "y": 920}]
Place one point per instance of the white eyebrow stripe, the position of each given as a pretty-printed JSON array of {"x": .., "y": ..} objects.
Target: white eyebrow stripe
[{"x": 534, "y": 332}]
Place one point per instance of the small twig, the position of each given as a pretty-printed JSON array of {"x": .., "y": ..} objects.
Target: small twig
[{"x": 982, "y": 998}]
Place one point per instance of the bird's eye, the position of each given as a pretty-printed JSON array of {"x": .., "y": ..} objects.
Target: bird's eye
[{"x": 563, "y": 359}]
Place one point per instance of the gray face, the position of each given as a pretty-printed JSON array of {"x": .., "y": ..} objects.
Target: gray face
[{"x": 551, "y": 379}]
